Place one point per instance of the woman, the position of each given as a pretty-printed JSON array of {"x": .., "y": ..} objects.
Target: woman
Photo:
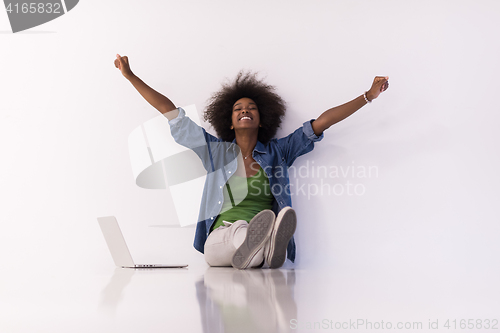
[{"x": 247, "y": 169}]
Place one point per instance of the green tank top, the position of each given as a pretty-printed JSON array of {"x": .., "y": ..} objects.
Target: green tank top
[{"x": 257, "y": 199}]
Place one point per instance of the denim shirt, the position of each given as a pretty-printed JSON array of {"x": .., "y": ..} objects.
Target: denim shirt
[{"x": 220, "y": 159}]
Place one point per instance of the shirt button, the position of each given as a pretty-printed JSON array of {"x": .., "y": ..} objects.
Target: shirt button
[
  {"x": 211, "y": 218},
  {"x": 229, "y": 171},
  {"x": 221, "y": 187},
  {"x": 219, "y": 202}
]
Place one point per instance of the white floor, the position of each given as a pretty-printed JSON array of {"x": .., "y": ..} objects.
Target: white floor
[{"x": 202, "y": 299}]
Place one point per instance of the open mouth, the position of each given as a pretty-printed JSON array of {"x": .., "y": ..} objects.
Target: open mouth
[{"x": 245, "y": 118}]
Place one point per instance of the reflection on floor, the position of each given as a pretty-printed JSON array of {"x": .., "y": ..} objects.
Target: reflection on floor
[
  {"x": 255, "y": 300},
  {"x": 230, "y": 300},
  {"x": 369, "y": 296}
]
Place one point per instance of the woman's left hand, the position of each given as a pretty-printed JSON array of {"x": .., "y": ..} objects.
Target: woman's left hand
[{"x": 380, "y": 84}]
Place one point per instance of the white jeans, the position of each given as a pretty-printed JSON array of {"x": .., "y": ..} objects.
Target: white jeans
[{"x": 223, "y": 242}]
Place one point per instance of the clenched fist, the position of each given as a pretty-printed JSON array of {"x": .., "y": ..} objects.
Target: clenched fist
[
  {"x": 380, "y": 84},
  {"x": 122, "y": 64}
]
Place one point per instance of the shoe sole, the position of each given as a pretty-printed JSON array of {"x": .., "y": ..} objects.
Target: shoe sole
[
  {"x": 258, "y": 232},
  {"x": 286, "y": 225}
]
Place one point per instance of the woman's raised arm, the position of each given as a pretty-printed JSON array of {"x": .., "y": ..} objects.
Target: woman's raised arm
[
  {"x": 338, "y": 113},
  {"x": 157, "y": 100}
]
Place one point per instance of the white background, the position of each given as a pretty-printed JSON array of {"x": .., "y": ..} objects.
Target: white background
[{"x": 428, "y": 221}]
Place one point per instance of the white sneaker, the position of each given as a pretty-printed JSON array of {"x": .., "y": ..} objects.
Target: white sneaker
[
  {"x": 284, "y": 228},
  {"x": 258, "y": 233}
]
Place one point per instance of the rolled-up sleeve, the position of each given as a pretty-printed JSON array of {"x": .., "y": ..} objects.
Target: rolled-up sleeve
[
  {"x": 186, "y": 132},
  {"x": 300, "y": 142},
  {"x": 309, "y": 132},
  {"x": 181, "y": 114}
]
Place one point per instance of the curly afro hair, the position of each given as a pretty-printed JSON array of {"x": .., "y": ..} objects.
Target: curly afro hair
[{"x": 220, "y": 106}]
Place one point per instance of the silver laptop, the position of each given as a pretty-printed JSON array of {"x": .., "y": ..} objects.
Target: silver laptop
[{"x": 118, "y": 247}]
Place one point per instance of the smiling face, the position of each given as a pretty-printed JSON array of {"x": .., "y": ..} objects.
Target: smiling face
[{"x": 245, "y": 114}]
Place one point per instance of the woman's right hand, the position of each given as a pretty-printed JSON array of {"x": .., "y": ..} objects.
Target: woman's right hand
[{"x": 122, "y": 64}]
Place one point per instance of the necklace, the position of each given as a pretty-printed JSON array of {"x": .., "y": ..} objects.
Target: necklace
[{"x": 245, "y": 157}]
